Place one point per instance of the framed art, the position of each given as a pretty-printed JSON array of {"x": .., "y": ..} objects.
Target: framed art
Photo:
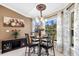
[{"x": 13, "y": 22}]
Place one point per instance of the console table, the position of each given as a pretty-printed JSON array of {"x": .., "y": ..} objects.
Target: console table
[{"x": 10, "y": 45}]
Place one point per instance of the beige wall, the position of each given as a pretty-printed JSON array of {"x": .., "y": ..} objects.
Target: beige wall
[{"x": 7, "y": 35}]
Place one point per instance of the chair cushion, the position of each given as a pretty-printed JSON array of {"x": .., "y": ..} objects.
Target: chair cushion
[
  {"x": 44, "y": 45},
  {"x": 33, "y": 44}
]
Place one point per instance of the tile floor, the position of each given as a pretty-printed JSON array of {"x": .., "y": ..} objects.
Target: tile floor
[{"x": 21, "y": 52}]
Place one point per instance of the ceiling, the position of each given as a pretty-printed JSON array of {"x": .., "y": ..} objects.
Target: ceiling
[{"x": 29, "y": 9}]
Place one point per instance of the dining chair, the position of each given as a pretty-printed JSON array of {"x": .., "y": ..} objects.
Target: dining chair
[
  {"x": 30, "y": 44},
  {"x": 47, "y": 44}
]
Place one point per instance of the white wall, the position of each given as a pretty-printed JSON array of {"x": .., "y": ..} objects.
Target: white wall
[
  {"x": 66, "y": 32},
  {"x": 76, "y": 30},
  {"x": 59, "y": 32}
]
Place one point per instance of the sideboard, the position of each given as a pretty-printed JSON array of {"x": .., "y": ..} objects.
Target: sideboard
[{"x": 10, "y": 45}]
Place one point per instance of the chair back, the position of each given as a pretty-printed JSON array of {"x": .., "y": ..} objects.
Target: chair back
[
  {"x": 47, "y": 41},
  {"x": 27, "y": 38}
]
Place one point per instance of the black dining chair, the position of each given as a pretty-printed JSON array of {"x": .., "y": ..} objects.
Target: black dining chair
[
  {"x": 30, "y": 44},
  {"x": 47, "y": 44}
]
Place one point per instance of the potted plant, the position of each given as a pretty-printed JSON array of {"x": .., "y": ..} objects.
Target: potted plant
[{"x": 15, "y": 33}]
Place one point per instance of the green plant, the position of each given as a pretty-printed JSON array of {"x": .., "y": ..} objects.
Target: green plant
[{"x": 15, "y": 33}]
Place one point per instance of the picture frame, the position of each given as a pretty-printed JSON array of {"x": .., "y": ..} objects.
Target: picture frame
[{"x": 13, "y": 22}]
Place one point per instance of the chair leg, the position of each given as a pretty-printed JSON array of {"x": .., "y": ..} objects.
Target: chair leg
[
  {"x": 29, "y": 52},
  {"x": 34, "y": 50},
  {"x": 39, "y": 51},
  {"x": 53, "y": 50},
  {"x": 47, "y": 52},
  {"x": 25, "y": 51}
]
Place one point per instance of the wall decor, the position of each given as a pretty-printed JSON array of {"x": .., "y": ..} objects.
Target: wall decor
[{"x": 13, "y": 22}]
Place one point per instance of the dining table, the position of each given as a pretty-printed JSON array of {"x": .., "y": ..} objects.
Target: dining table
[{"x": 40, "y": 39}]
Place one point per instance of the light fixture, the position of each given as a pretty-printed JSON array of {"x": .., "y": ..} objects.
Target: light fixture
[
  {"x": 41, "y": 8},
  {"x": 41, "y": 27}
]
